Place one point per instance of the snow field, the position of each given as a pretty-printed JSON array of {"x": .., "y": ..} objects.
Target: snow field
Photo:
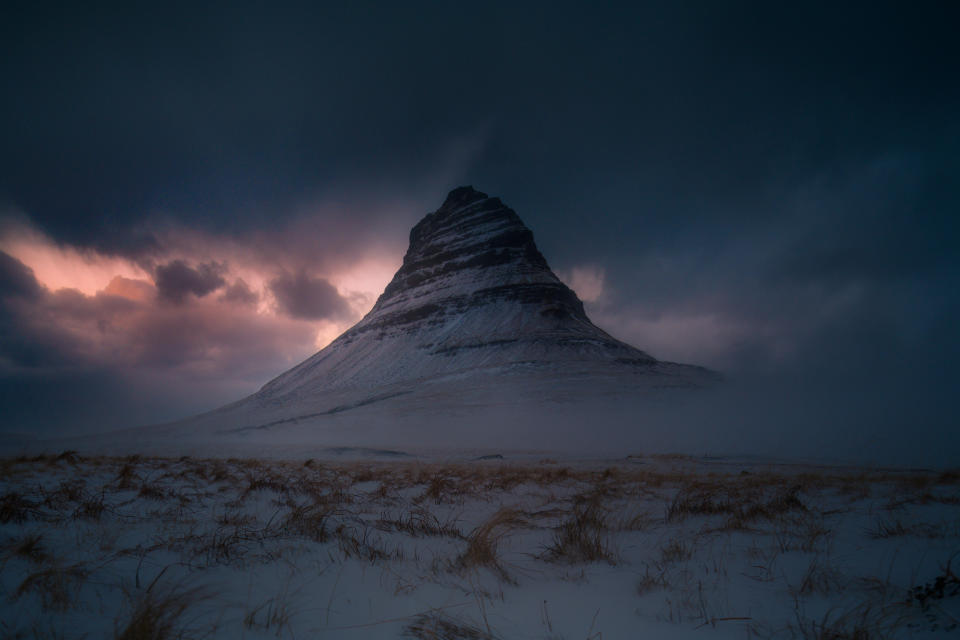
[{"x": 660, "y": 547}]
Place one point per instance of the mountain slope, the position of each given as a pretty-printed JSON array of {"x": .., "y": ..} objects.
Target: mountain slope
[{"x": 473, "y": 316}]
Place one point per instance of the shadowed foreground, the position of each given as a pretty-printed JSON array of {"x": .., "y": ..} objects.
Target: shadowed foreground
[{"x": 667, "y": 546}]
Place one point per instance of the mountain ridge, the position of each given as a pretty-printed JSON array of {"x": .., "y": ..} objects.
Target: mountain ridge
[{"x": 473, "y": 319}]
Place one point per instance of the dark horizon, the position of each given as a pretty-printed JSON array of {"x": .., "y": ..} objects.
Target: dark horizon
[{"x": 193, "y": 200}]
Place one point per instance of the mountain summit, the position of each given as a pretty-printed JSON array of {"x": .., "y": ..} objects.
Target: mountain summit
[
  {"x": 473, "y": 293},
  {"x": 473, "y": 317}
]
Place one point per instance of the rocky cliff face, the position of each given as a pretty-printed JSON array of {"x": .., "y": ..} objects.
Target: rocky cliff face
[{"x": 474, "y": 295}]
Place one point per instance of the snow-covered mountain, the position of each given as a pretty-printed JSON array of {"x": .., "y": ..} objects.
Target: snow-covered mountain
[
  {"x": 473, "y": 319},
  {"x": 473, "y": 293}
]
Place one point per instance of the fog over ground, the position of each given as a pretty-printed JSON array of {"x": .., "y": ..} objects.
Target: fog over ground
[{"x": 194, "y": 199}]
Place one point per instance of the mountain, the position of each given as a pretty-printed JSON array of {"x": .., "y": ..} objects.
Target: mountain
[{"x": 473, "y": 321}]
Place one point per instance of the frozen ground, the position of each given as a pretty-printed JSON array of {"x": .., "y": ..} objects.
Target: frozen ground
[{"x": 641, "y": 547}]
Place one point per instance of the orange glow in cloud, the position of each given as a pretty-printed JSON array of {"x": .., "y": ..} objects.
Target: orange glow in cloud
[
  {"x": 59, "y": 267},
  {"x": 368, "y": 278},
  {"x": 56, "y": 266}
]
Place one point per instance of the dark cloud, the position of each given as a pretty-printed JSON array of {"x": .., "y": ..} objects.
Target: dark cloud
[
  {"x": 769, "y": 188},
  {"x": 69, "y": 361},
  {"x": 16, "y": 278},
  {"x": 176, "y": 280},
  {"x": 240, "y": 293},
  {"x": 301, "y": 296}
]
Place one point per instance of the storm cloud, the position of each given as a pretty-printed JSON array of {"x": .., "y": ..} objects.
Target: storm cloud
[
  {"x": 301, "y": 296},
  {"x": 765, "y": 189},
  {"x": 176, "y": 280}
]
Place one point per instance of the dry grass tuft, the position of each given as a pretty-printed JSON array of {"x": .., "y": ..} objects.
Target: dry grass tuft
[
  {"x": 820, "y": 578},
  {"x": 419, "y": 522},
  {"x": 676, "y": 551},
  {"x": 862, "y": 623},
  {"x": 15, "y": 508},
  {"x": 436, "y": 626},
  {"x": 30, "y": 547},
  {"x": 56, "y": 586},
  {"x": 127, "y": 477},
  {"x": 742, "y": 502},
  {"x": 649, "y": 582},
  {"x": 358, "y": 542},
  {"x": 806, "y": 533},
  {"x": 889, "y": 529},
  {"x": 583, "y": 537},
  {"x": 272, "y": 615},
  {"x": 483, "y": 541},
  {"x": 309, "y": 521},
  {"x": 439, "y": 488},
  {"x": 70, "y": 457},
  {"x": 152, "y": 492},
  {"x": 158, "y": 615},
  {"x": 91, "y": 507}
]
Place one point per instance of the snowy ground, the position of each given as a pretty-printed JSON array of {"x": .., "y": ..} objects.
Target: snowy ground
[{"x": 644, "y": 547}]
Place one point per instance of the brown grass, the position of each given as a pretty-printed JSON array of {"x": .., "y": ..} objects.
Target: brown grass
[
  {"x": 437, "y": 626},
  {"x": 56, "y": 586},
  {"x": 272, "y": 615},
  {"x": 482, "y": 543},
  {"x": 91, "y": 507},
  {"x": 583, "y": 537},
  {"x": 14, "y": 507},
  {"x": 419, "y": 522},
  {"x": 309, "y": 521},
  {"x": 861, "y": 623},
  {"x": 30, "y": 547},
  {"x": 820, "y": 578},
  {"x": 649, "y": 582},
  {"x": 158, "y": 615},
  {"x": 676, "y": 551}
]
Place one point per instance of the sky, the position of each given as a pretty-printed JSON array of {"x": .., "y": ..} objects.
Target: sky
[{"x": 195, "y": 198}]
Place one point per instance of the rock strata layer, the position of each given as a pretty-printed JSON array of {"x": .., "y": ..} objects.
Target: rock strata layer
[{"x": 474, "y": 294}]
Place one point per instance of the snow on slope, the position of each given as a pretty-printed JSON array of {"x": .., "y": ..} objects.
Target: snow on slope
[
  {"x": 473, "y": 292},
  {"x": 473, "y": 318}
]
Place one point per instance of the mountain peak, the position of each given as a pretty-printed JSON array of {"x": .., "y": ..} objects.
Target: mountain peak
[
  {"x": 474, "y": 295},
  {"x": 473, "y": 318},
  {"x": 462, "y": 196}
]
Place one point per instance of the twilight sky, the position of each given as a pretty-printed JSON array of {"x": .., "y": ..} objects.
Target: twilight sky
[{"x": 195, "y": 198}]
